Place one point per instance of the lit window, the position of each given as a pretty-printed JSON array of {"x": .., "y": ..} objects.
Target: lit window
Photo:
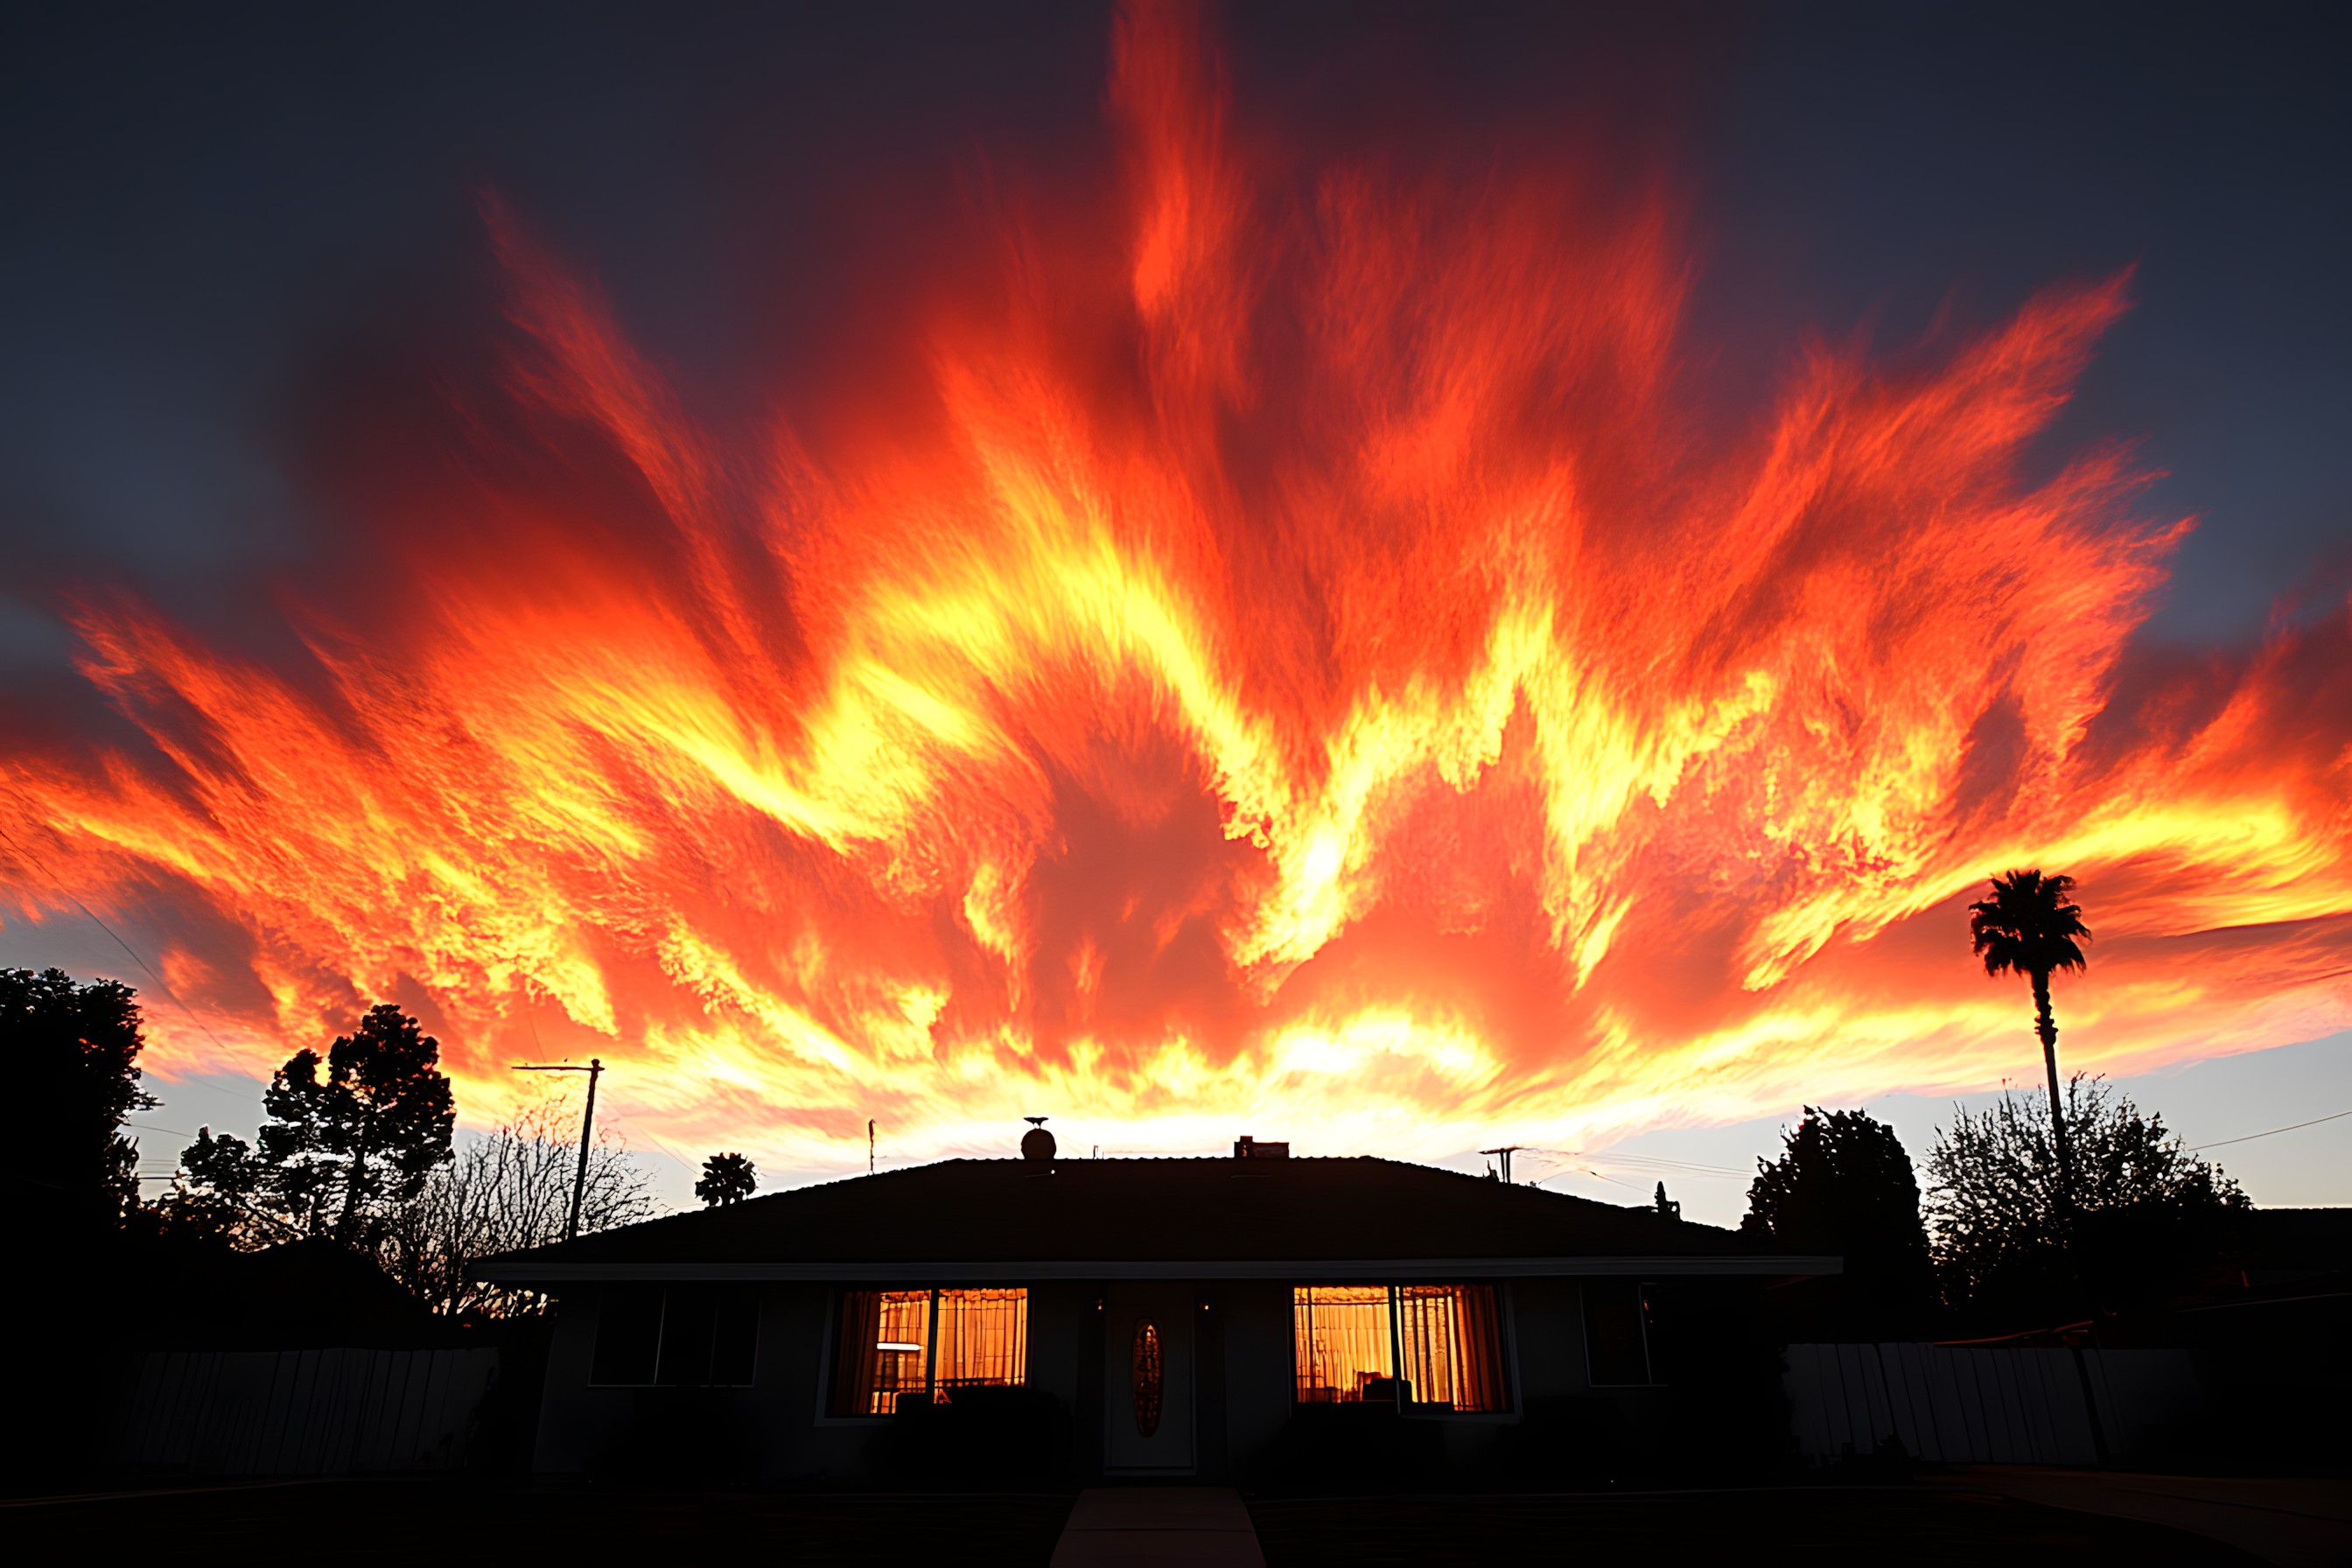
[
  {"x": 1434, "y": 1346},
  {"x": 895, "y": 1344},
  {"x": 885, "y": 1339},
  {"x": 1346, "y": 1343},
  {"x": 1451, "y": 1345},
  {"x": 983, "y": 1338}
]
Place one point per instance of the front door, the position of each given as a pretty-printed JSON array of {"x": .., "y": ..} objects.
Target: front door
[{"x": 1147, "y": 1378}]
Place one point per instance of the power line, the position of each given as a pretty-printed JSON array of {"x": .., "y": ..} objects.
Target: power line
[
  {"x": 192, "y": 1082},
  {"x": 1578, "y": 1171},
  {"x": 2290, "y": 1126},
  {"x": 1645, "y": 1161},
  {"x": 40, "y": 865},
  {"x": 1689, "y": 1172}
]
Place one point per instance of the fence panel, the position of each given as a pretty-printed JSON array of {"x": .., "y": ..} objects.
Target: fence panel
[
  {"x": 326, "y": 1411},
  {"x": 1980, "y": 1404},
  {"x": 2144, "y": 1394}
]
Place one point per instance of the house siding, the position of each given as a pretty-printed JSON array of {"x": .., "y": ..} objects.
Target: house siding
[
  {"x": 1257, "y": 1376},
  {"x": 1247, "y": 1425}
]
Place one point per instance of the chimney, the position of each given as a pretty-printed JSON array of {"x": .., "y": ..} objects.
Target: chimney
[{"x": 1248, "y": 1148}]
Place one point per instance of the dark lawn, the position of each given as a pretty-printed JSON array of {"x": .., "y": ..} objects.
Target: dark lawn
[
  {"x": 1833, "y": 1527},
  {"x": 426, "y": 1524},
  {"x": 422, "y": 1524}
]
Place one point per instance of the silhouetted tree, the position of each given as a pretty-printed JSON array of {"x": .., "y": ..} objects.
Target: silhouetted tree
[
  {"x": 726, "y": 1179},
  {"x": 72, "y": 1055},
  {"x": 221, "y": 1195},
  {"x": 367, "y": 1133},
  {"x": 384, "y": 1099},
  {"x": 502, "y": 1192},
  {"x": 1844, "y": 1184},
  {"x": 2029, "y": 928},
  {"x": 2140, "y": 1217}
]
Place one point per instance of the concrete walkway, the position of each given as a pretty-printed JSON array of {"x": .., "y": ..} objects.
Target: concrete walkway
[
  {"x": 1159, "y": 1527},
  {"x": 2296, "y": 1523}
]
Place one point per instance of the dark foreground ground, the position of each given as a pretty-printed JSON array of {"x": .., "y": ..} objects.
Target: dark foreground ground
[{"x": 421, "y": 1523}]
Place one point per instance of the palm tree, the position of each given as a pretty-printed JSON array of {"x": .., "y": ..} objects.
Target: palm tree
[
  {"x": 2027, "y": 927},
  {"x": 726, "y": 1179}
]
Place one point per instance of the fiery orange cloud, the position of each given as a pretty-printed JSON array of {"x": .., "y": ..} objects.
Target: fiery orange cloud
[{"x": 1307, "y": 664}]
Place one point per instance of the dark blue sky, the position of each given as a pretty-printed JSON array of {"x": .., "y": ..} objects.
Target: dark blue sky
[
  {"x": 205, "y": 212},
  {"x": 214, "y": 222}
]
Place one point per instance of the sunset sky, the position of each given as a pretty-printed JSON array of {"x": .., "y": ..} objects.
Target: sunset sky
[{"x": 1400, "y": 581}]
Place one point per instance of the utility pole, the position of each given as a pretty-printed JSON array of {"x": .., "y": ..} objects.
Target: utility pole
[
  {"x": 594, "y": 1070},
  {"x": 1504, "y": 1154},
  {"x": 869, "y": 1146}
]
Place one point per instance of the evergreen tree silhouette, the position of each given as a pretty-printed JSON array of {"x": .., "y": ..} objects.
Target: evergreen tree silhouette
[{"x": 1844, "y": 1184}]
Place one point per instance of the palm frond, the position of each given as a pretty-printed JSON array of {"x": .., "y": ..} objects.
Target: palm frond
[{"x": 2028, "y": 925}]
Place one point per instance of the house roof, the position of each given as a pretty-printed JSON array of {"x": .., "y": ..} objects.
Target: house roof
[
  {"x": 2315, "y": 1239},
  {"x": 976, "y": 1220}
]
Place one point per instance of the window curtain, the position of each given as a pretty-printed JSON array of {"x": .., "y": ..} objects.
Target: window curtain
[
  {"x": 884, "y": 1351},
  {"x": 1344, "y": 1345},
  {"x": 1452, "y": 1339},
  {"x": 855, "y": 1356},
  {"x": 983, "y": 1338}
]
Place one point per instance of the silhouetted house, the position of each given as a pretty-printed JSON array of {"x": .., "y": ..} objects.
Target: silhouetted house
[
  {"x": 2273, "y": 1347},
  {"x": 1215, "y": 1317},
  {"x": 298, "y": 1294},
  {"x": 2296, "y": 1250}
]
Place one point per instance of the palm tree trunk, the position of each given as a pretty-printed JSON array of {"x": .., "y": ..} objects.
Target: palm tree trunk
[{"x": 2046, "y": 1025}]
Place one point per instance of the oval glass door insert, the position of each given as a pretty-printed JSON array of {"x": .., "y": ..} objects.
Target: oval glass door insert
[{"x": 1150, "y": 1377}]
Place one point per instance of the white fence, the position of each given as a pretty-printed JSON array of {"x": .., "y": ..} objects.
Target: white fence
[
  {"x": 1969, "y": 1404},
  {"x": 319, "y": 1412}
]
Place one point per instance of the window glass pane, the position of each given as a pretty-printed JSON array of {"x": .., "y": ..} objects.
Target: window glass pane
[
  {"x": 883, "y": 1351},
  {"x": 1342, "y": 1347},
  {"x": 903, "y": 1348},
  {"x": 687, "y": 1319},
  {"x": 1613, "y": 1336},
  {"x": 1453, "y": 1343},
  {"x": 983, "y": 1338},
  {"x": 1659, "y": 1348},
  {"x": 628, "y": 1330},
  {"x": 1151, "y": 1378},
  {"x": 735, "y": 1337}
]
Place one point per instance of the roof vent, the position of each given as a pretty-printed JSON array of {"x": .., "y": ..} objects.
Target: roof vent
[
  {"x": 1248, "y": 1148},
  {"x": 1036, "y": 1143}
]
